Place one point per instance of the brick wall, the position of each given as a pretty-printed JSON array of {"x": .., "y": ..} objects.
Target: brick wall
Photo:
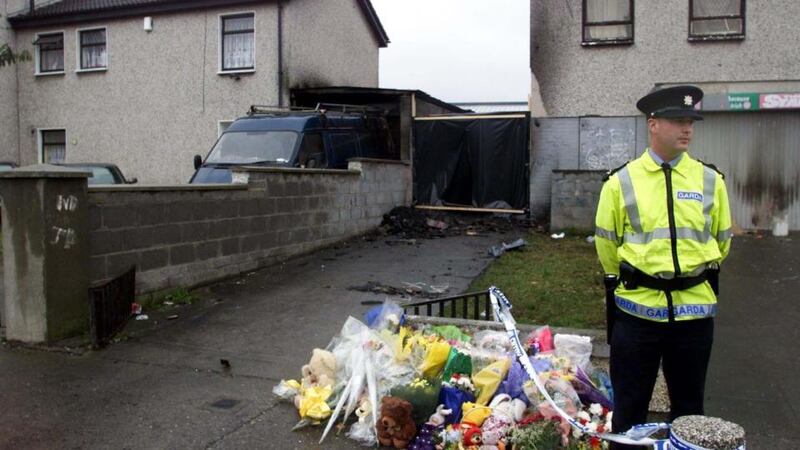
[
  {"x": 574, "y": 199},
  {"x": 187, "y": 235}
]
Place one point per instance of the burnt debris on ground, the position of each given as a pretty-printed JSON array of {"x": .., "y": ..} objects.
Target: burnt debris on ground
[
  {"x": 410, "y": 223},
  {"x": 412, "y": 290}
]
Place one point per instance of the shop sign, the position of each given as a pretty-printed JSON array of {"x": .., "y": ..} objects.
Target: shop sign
[
  {"x": 779, "y": 101},
  {"x": 743, "y": 102}
]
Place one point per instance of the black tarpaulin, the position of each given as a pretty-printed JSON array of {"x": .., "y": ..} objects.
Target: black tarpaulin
[{"x": 479, "y": 162}]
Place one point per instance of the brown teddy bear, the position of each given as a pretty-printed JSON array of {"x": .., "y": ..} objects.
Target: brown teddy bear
[{"x": 396, "y": 426}]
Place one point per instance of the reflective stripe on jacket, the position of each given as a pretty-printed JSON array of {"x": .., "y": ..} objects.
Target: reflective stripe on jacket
[{"x": 632, "y": 224}]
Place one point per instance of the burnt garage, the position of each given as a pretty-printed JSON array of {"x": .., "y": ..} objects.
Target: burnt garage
[
  {"x": 754, "y": 138},
  {"x": 401, "y": 107}
]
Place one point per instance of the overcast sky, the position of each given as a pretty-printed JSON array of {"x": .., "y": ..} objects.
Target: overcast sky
[{"x": 457, "y": 50}]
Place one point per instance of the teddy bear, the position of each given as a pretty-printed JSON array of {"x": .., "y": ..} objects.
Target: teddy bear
[
  {"x": 505, "y": 413},
  {"x": 364, "y": 429},
  {"x": 396, "y": 426},
  {"x": 472, "y": 435},
  {"x": 320, "y": 371}
]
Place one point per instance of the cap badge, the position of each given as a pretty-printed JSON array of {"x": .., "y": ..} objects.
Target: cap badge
[{"x": 688, "y": 100}]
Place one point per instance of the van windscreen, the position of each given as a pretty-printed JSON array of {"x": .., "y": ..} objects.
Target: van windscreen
[{"x": 250, "y": 147}]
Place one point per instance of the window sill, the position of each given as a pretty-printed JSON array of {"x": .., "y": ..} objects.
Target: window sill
[
  {"x": 223, "y": 73},
  {"x": 738, "y": 37},
  {"x": 99, "y": 69},
  {"x": 48, "y": 74},
  {"x": 606, "y": 43}
]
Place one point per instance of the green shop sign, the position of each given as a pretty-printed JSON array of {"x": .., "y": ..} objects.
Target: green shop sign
[
  {"x": 743, "y": 102},
  {"x": 751, "y": 101}
]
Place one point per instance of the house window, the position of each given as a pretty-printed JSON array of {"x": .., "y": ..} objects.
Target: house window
[
  {"x": 607, "y": 22},
  {"x": 93, "y": 51},
  {"x": 238, "y": 42},
  {"x": 49, "y": 53},
  {"x": 53, "y": 145},
  {"x": 716, "y": 19}
]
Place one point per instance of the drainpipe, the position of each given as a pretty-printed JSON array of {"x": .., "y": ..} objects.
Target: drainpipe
[{"x": 280, "y": 52}]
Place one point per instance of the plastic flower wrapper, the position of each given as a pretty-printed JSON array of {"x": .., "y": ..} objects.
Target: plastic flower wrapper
[
  {"x": 423, "y": 395},
  {"x": 558, "y": 386},
  {"x": 587, "y": 391},
  {"x": 603, "y": 383},
  {"x": 367, "y": 367},
  {"x": 363, "y": 430},
  {"x": 389, "y": 315},
  {"x": 287, "y": 389},
  {"x": 451, "y": 333},
  {"x": 435, "y": 359},
  {"x": 578, "y": 349},
  {"x": 453, "y": 398},
  {"x": 492, "y": 341},
  {"x": 488, "y": 379},
  {"x": 409, "y": 346},
  {"x": 457, "y": 362},
  {"x": 514, "y": 381},
  {"x": 539, "y": 340},
  {"x": 481, "y": 359}
]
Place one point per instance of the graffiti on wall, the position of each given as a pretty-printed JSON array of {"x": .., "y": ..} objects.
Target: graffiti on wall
[
  {"x": 606, "y": 143},
  {"x": 64, "y": 237}
]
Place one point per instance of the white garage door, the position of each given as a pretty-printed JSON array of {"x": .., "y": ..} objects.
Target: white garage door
[{"x": 759, "y": 153}]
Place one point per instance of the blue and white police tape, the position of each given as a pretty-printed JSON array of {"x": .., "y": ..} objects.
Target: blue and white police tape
[{"x": 638, "y": 435}]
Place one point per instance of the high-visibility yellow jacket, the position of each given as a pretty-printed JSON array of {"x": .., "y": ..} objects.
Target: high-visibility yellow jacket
[{"x": 633, "y": 225}]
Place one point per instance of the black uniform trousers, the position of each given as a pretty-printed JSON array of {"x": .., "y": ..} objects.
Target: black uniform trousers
[{"x": 637, "y": 347}]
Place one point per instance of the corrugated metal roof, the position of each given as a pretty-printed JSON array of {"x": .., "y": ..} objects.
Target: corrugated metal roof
[
  {"x": 493, "y": 107},
  {"x": 65, "y": 11}
]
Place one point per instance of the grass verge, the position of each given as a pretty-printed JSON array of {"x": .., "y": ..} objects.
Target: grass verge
[{"x": 558, "y": 282}]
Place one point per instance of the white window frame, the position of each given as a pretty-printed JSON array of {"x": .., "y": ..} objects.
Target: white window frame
[
  {"x": 40, "y": 141},
  {"x": 220, "y": 124},
  {"x": 78, "y": 50},
  {"x": 39, "y": 72},
  {"x": 220, "y": 17}
]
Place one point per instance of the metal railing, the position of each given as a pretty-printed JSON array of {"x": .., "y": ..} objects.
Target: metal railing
[
  {"x": 110, "y": 306},
  {"x": 473, "y": 305}
]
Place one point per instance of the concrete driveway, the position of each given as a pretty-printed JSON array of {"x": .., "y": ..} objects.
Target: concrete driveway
[{"x": 164, "y": 387}]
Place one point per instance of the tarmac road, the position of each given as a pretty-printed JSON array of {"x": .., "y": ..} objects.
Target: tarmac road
[{"x": 753, "y": 375}]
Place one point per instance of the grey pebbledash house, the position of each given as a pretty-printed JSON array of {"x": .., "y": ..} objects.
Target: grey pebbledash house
[
  {"x": 592, "y": 59},
  {"x": 146, "y": 84}
]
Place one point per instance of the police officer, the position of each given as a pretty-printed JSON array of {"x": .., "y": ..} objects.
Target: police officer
[{"x": 663, "y": 226}]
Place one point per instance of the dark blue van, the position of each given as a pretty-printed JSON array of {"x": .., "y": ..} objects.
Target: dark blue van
[{"x": 318, "y": 138}]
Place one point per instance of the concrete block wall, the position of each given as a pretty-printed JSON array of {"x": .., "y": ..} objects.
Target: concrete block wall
[
  {"x": 552, "y": 140},
  {"x": 574, "y": 197},
  {"x": 188, "y": 235},
  {"x": 579, "y": 143}
]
